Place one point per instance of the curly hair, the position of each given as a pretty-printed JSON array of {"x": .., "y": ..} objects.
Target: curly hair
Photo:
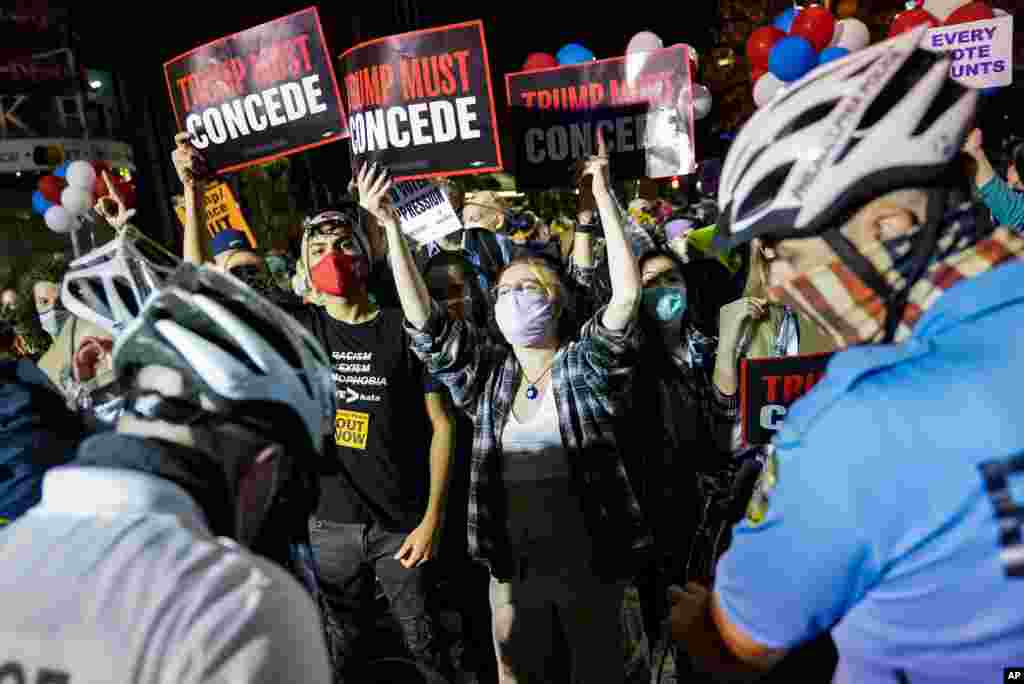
[{"x": 26, "y": 320}]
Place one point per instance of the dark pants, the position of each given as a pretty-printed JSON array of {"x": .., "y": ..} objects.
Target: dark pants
[{"x": 351, "y": 558}]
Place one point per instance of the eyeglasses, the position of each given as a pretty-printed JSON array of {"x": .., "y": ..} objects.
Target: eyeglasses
[{"x": 531, "y": 287}]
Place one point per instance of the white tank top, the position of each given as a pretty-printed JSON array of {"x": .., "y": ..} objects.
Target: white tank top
[{"x": 533, "y": 450}]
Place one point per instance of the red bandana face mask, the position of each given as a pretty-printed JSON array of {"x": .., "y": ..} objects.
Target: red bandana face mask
[{"x": 340, "y": 274}]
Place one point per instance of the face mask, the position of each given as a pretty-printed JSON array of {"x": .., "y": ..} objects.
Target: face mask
[
  {"x": 278, "y": 265},
  {"x": 339, "y": 274},
  {"x": 525, "y": 319},
  {"x": 664, "y": 304},
  {"x": 53, "y": 321}
]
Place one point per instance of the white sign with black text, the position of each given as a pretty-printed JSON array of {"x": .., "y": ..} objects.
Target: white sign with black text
[{"x": 424, "y": 210}]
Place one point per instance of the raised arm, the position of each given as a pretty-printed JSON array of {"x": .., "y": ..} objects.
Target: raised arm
[
  {"x": 195, "y": 241},
  {"x": 622, "y": 266},
  {"x": 983, "y": 170},
  {"x": 374, "y": 182}
]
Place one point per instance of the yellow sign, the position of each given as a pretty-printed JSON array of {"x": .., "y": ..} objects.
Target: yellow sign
[
  {"x": 351, "y": 428},
  {"x": 222, "y": 211}
]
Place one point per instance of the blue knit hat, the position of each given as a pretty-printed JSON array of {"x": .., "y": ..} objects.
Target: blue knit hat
[{"x": 228, "y": 239}]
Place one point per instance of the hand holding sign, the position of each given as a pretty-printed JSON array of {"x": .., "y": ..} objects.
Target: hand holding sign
[
  {"x": 374, "y": 183},
  {"x": 188, "y": 162},
  {"x": 597, "y": 168}
]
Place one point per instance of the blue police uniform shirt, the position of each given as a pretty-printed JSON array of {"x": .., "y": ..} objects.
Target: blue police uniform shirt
[{"x": 880, "y": 526}]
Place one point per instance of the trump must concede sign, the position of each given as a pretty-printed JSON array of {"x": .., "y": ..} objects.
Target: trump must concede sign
[
  {"x": 421, "y": 103},
  {"x": 259, "y": 94},
  {"x": 642, "y": 104},
  {"x": 769, "y": 386}
]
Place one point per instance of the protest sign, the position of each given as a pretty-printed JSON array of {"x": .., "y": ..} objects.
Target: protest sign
[
  {"x": 222, "y": 212},
  {"x": 982, "y": 51},
  {"x": 642, "y": 103},
  {"x": 259, "y": 94},
  {"x": 424, "y": 210},
  {"x": 421, "y": 103},
  {"x": 769, "y": 386}
]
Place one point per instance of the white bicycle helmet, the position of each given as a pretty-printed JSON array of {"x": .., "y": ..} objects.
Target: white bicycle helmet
[
  {"x": 236, "y": 348},
  {"x": 110, "y": 285},
  {"x": 884, "y": 118}
]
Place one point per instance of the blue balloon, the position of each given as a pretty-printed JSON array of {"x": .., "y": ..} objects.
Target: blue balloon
[
  {"x": 40, "y": 204},
  {"x": 574, "y": 53},
  {"x": 791, "y": 58},
  {"x": 61, "y": 170},
  {"x": 784, "y": 21},
  {"x": 831, "y": 54}
]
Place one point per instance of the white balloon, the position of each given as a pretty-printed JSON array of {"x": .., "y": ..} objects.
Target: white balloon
[
  {"x": 76, "y": 200},
  {"x": 644, "y": 42},
  {"x": 701, "y": 101},
  {"x": 851, "y": 34},
  {"x": 999, "y": 12},
  {"x": 765, "y": 89},
  {"x": 941, "y": 9},
  {"x": 58, "y": 219},
  {"x": 81, "y": 174}
]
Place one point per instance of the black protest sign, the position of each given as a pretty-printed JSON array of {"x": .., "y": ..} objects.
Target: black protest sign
[
  {"x": 421, "y": 103},
  {"x": 769, "y": 386},
  {"x": 259, "y": 94},
  {"x": 642, "y": 104}
]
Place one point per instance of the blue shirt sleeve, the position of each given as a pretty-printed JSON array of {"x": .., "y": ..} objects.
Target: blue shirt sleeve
[
  {"x": 1006, "y": 204},
  {"x": 796, "y": 573}
]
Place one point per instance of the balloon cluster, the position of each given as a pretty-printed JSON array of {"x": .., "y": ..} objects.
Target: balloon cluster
[
  {"x": 800, "y": 39},
  {"x": 645, "y": 41},
  {"x": 66, "y": 197}
]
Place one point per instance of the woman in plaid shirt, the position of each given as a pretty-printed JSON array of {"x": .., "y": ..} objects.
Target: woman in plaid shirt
[{"x": 551, "y": 511}]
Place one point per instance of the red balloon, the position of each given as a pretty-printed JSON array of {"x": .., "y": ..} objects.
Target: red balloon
[
  {"x": 50, "y": 187},
  {"x": 905, "y": 21},
  {"x": 760, "y": 45},
  {"x": 816, "y": 24},
  {"x": 972, "y": 11},
  {"x": 756, "y": 73},
  {"x": 539, "y": 60}
]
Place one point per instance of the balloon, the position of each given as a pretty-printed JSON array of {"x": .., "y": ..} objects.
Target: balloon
[
  {"x": 701, "y": 101},
  {"x": 816, "y": 24},
  {"x": 765, "y": 89},
  {"x": 539, "y": 60},
  {"x": 851, "y": 34},
  {"x": 50, "y": 187},
  {"x": 81, "y": 175},
  {"x": 784, "y": 22},
  {"x": 645, "y": 41},
  {"x": 760, "y": 44},
  {"x": 792, "y": 57},
  {"x": 574, "y": 53},
  {"x": 40, "y": 204},
  {"x": 76, "y": 200},
  {"x": 58, "y": 219},
  {"x": 941, "y": 9},
  {"x": 972, "y": 11},
  {"x": 831, "y": 54},
  {"x": 756, "y": 74},
  {"x": 61, "y": 170},
  {"x": 910, "y": 19}
]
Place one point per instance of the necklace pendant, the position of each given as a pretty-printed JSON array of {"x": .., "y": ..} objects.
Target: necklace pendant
[{"x": 531, "y": 392}]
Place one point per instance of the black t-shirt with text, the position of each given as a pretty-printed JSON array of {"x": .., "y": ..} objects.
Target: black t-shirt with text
[{"x": 382, "y": 433}]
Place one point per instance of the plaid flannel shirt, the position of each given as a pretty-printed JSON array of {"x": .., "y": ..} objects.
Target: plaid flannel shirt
[{"x": 591, "y": 379}]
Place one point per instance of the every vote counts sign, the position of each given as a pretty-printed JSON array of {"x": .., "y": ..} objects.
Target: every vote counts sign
[
  {"x": 982, "y": 51},
  {"x": 421, "y": 103},
  {"x": 258, "y": 94}
]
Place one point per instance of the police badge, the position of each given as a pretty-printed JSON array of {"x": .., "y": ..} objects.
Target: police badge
[{"x": 757, "y": 509}]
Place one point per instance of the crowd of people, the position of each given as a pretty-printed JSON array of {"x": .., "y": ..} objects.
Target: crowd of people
[{"x": 514, "y": 454}]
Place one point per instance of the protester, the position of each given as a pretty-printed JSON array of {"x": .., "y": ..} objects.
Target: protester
[
  {"x": 1004, "y": 200},
  {"x": 884, "y": 510},
  {"x": 8, "y": 298},
  {"x": 135, "y": 560},
  {"x": 385, "y": 485},
  {"x": 552, "y": 514}
]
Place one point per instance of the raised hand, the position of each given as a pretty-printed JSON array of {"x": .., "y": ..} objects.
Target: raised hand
[
  {"x": 188, "y": 162},
  {"x": 112, "y": 208},
  {"x": 597, "y": 168},
  {"x": 374, "y": 182}
]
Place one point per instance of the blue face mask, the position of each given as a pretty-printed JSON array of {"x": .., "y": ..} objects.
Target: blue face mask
[{"x": 664, "y": 304}]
